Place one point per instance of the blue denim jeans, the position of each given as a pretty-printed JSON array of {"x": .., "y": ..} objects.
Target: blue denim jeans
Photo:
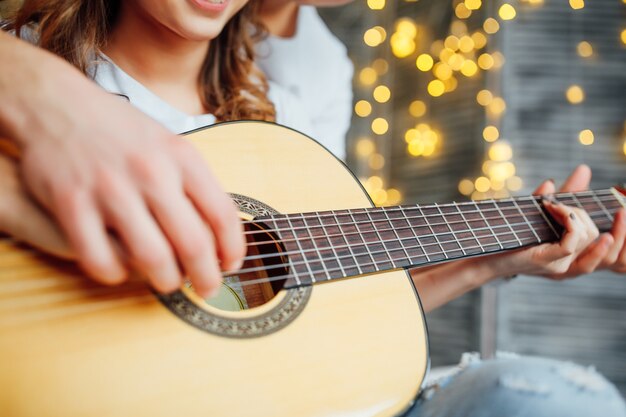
[{"x": 514, "y": 386}]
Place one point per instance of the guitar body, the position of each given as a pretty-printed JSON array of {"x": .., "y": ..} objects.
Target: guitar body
[{"x": 358, "y": 346}]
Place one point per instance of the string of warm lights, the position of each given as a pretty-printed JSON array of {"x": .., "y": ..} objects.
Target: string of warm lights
[{"x": 462, "y": 53}]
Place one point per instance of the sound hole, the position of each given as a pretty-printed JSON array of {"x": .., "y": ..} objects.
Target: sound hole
[{"x": 263, "y": 273}]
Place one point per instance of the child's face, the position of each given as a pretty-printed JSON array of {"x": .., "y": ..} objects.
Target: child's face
[{"x": 190, "y": 19}]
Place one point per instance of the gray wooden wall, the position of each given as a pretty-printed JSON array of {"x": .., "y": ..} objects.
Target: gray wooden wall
[{"x": 582, "y": 320}]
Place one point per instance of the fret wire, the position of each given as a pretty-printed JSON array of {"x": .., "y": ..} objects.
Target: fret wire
[
  {"x": 333, "y": 246},
  {"x": 321, "y": 259},
  {"x": 291, "y": 264},
  {"x": 610, "y": 217},
  {"x": 526, "y": 220},
  {"x": 534, "y": 201},
  {"x": 542, "y": 224},
  {"x": 521, "y": 199},
  {"x": 478, "y": 241},
  {"x": 395, "y": 232},
  {"x": 380, "y": 238},
  {"x": 575, "y": 200},
  {"x": 350, "y": 248},
  {"x": 423, "y": 236},
  {"x": 452, "y": 232},
  {"x": 365, "y": 246},
  {"x": 412, "y": 229},
  {"x": 489, "y": 226},
  {"x": 557, "y": 234},
  {"x": 301, "y": 253},
  {"x": 507, "y": 222},
  {"x": 468, "y": 227},
  {"x": 607, "y": 193},
  {"x": 432, "y": 231},
  {"x": 375, "y": 265}
]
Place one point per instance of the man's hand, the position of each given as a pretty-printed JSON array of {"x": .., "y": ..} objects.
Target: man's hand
[
  {"x": 21, "y": 218},
  {"x": 102, "y": 168}
]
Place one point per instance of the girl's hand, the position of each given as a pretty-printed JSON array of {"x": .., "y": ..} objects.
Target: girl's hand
[
  {"x": 550, "y": 259},
  {"x": 606, "y": 252},
  {"x": 581, "y": 250}
]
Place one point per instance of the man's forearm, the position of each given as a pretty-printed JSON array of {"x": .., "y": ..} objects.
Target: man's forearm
[{"x": 29, "y": 83}]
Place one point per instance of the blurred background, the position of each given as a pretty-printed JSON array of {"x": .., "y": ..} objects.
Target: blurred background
[{"x": 474, "y": 99}]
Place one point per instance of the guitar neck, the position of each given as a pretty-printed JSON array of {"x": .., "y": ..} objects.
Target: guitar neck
[{"x": 329, "y": 245}]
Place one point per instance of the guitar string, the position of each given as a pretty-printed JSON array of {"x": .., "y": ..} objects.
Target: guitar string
[
  {"x": 333, "y": 213},
  {"x": 264, "y": 232},
  {"x": 360, "y": 233},
  {"x": 370, "y": 254},
  {"x": 298, "y": 238},
  {"x": 387, "y": 219},
  {"x": 433, "y": 235},
  {"x": 357, "y": 266},
  {"x": 312, "y": 239},
  {"x": 385, "y": 251},
  {"x": 375, "y": 265}
]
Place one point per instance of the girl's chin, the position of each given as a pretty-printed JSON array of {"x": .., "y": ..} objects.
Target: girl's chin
[{"x": 201, "y": 31}]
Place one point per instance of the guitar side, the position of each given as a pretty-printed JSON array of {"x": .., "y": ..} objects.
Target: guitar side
[{"x": 73, "y": 348}]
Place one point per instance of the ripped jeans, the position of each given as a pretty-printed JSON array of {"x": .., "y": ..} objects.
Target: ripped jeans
[{"x": 517, "y": 386}]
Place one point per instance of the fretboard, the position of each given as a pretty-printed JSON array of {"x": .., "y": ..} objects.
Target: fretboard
[{"x": 336, "y": 244}]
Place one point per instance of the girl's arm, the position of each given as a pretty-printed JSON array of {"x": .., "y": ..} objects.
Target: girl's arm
[{"x": 581, "y": 251}]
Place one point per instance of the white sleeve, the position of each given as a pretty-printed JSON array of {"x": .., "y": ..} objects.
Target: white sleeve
[
  {"x": 313, "y": 66},
  {"x": 289, "y": 111}
]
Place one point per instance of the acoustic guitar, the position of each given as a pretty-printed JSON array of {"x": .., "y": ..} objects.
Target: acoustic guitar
[{"x": 322, "y": 320}]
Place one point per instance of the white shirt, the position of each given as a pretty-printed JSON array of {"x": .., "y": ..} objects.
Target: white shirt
[
  {"x": 313, "y": 65},
  {"x": 310, "y": 84},
  {"x": 113, "y": 79}
]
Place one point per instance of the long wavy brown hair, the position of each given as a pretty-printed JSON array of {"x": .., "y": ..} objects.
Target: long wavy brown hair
[{"x": 231, "y": 86}]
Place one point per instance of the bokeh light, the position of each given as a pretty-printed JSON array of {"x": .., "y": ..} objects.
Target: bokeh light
[
  {"x": 484, "y": 97},
  {"x": 500, "y": 151},
  {"x": 380, "y": 126},
  {"x": 417, "y": 108},
  {"x": 376, "y": 4},
  {"x": 586, "y": 137},
  {"x": 382, "y": 94},
  {"x": 584, "y": 49},
  {"x": 577, "y": 4},
  {"x": 491, "y": 26},
  {"x": 436, "y": 88},
  {"x": 374, "y": 36},
  {"x": 575, "y": 94},
  {"x": 491, "y": 133},
  {"x": 368, "y": 76},
  {"x": 363, "y": 108},
  {"x": 424, "y": 62}
]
